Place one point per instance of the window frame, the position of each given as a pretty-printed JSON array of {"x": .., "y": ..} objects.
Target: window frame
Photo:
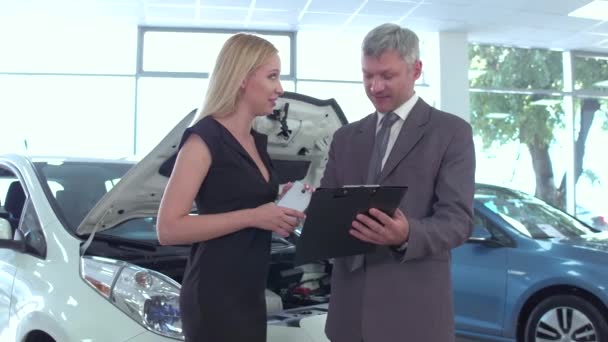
[
  {"x": 142, "y": 30},
  {"x": 21, "y": 244}
]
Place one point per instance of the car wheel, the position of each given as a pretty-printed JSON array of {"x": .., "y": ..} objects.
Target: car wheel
[{"x": 566, "y": 318}]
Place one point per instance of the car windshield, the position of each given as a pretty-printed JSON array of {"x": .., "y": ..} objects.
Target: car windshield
[
  {"x": 77, "y": 186},
  {"x": 529, "y": 215}
]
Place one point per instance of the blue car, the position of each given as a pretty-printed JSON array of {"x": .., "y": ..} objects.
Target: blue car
[{"x": 530, "y": 272}]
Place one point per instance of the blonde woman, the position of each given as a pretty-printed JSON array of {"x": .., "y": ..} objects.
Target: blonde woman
[{"x": 223, "y": 165}]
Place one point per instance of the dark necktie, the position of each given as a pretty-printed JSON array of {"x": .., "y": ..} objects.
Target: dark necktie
[
  {"x": 375, "y": 163},
  {"x": 375, "y": 166}
]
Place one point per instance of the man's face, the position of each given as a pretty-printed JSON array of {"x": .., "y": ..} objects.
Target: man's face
[{"x": 389, "y": 80}]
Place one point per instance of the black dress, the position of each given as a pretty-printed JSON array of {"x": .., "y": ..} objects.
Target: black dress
[{"x": 222, "y": 296}]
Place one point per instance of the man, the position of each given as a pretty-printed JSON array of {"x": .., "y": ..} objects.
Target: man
[{"x": 402, "y": 291}]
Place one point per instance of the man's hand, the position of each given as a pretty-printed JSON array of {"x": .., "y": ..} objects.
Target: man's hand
[{"x": 383, "y": 230}]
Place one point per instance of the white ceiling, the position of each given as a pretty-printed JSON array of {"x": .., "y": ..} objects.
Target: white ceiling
[{"x": 527, "y": 23}]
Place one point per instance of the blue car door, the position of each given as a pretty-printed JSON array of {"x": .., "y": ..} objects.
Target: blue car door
[{"x": 479, "y": 280}]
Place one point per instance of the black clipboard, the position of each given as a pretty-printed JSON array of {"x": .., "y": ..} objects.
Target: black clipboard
[{"x": 330, "y": 215}]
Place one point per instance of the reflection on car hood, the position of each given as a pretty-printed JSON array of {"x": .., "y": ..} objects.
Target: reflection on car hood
[
  {"x": 595, "y": 242},
  {"x": 300, "y": 129}
]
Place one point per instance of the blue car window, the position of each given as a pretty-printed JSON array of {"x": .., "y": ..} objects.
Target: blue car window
[{"x": 529, "y": 215}]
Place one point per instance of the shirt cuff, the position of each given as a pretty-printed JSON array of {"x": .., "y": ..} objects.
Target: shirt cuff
[{"x": 401, "y": 249}]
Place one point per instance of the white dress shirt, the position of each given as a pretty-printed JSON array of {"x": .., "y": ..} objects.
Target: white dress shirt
[{"x": 402, "y": 111}]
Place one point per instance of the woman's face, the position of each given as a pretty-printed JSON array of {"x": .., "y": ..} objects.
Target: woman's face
[{"x": 263, "y": 86}]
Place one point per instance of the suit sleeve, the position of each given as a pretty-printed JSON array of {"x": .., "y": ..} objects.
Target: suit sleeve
[{"x": 452, "y": 220}]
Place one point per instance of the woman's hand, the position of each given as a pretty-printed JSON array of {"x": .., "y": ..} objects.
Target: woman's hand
[{"x": 280, "y": 220}]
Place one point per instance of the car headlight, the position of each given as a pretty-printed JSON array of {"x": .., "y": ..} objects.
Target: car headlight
[{"x": 149, "y": 297}]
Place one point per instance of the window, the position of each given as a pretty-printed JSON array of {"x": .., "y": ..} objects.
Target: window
[
  {"x": 196, "y": 52},
  {"x": 13, "y": 198},
  {"x": 529, "y": 215},
  {"x": 110, "y": 183},
  {"x": 329, "y": 56},
  {"x": 333, "y": 55},
  {"x": 514, "y": 68},
  {"x": 87, "y": 116},
  {"x": 512, "y": 132},
  {"x": 83, "y": 184},
  {"x": 591, "y": 73},
  {"x": 518, "y": 118},
  {"x": 142, "y": 229},
  {"x": 162, "y": 103},
  {"x": 32, "y": 230},
  {"x": 20, "y": 213},
  {"x": 591, "y": 134},
  {"x": 350, "y": 96},
  {"x": 36, "y": 46}
]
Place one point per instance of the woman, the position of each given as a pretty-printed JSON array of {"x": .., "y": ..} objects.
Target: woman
[{"x": 223, "y": 165}]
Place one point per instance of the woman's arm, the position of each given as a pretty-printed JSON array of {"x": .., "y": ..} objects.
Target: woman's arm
[{"x": 175, "y": 224}]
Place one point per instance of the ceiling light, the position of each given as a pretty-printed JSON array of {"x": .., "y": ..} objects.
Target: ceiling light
[
  {"x": 500, "y": 116},
  {"x": 597, "y": 10}
]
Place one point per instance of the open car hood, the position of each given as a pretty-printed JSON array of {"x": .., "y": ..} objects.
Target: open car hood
[{"x": 299, "y": 132}]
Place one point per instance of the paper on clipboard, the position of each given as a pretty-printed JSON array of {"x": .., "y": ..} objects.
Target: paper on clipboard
[{"x": 329, "y": 218}]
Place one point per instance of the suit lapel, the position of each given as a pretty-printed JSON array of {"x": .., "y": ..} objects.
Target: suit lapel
[
  {"x": 363, "y": 145},
  {"x": 412, "y": 130}
]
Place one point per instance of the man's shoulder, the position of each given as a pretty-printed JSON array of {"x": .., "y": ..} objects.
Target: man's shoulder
[
  {"x": 352, "y": 127},
  {"x": 448, "y": 120}
]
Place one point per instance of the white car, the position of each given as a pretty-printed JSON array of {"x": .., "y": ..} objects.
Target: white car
[{"x": 79, "y": 259}]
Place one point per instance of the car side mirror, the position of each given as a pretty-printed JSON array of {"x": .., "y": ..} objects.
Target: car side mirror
[
  {"x": 6, "y": 232},
  {"x": 481, "y": 235}
]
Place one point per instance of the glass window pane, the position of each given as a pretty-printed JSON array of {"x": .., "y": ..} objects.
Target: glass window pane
[
  {"x": 591, "y": 123},
  {"x": 88, "y": 116},
  {"x": 591, "y": 73},
  {"x": 350, "y": 96},
  {"x": 197, "y": 51},
  {"x": 329, "y": 56},
  {"x": 520, "y": 142},
  {"x": 288, "y": 85},
  {"x": 514, "y": 68},
  {"x": 162, "y": 103},
  {"x": 57, "y": 48},
  {"x": 429, "y": 95},
  {"x": 336, "y": 56}
]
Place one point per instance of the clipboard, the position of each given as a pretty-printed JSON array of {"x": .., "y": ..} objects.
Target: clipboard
[{"x": 330, "y": 215}]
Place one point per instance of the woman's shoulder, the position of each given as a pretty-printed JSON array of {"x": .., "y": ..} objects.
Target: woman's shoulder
[
  {"x": 207, "y": 128},
  {"x": 207, "y": 125}
]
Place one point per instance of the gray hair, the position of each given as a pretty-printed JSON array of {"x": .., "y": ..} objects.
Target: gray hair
[{"x": 392, "y": 37}]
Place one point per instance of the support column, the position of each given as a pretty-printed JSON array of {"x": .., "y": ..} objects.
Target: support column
[
  {"x": 452, "y": 76},
  {"x": 569, "y": 117}
]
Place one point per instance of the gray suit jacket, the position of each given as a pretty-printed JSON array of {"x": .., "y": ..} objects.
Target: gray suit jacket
[{"x": 405, "y": 297}]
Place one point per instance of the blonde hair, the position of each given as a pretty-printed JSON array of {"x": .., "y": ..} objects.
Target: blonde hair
[{"x": 241, "y": 54}]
